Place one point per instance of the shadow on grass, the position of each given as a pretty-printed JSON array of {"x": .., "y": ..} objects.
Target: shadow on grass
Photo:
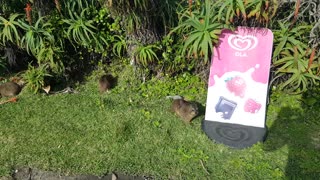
[
  {"x": 201, "y": 108},
  {"x": 299, "y": 131}
]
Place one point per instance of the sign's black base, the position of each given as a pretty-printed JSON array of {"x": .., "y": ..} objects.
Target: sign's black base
[{"x": 234, "y": 135}]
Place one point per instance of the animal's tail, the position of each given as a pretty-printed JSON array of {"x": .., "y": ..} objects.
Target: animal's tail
[{"x": 174, "y": 97}]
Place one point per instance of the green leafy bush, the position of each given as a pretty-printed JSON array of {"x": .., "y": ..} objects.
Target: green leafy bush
[
  {"x": 35, "y": 77},
  {"x": 111, "y": 31},
  {"x": 62, "y": 37},
  {"x": 77, "y": 33},
  {"x": 311, "y": 98},
  {"x": 186, "y": 85},
  {"x": 173, "y": 61}
]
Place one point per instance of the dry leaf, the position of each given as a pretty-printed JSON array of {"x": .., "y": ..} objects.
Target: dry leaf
[{"x": 47, "y": 89}]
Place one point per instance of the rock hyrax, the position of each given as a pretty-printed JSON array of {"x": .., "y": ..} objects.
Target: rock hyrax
[
  {"x": 185, "y": 109},
  {"x": 9, "y": 89},
  {"x": 105, "y": 83}
]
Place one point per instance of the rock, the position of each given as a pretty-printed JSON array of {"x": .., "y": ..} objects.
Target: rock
[
  {"x": 118, "y": 176},
  {"x": 22, "y": 173}
]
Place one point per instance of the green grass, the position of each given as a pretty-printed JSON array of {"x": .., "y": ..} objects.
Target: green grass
[{"x": 121, "y": 131}]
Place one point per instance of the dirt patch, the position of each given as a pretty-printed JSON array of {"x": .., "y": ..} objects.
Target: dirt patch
[{"x": 35, "y": 174}]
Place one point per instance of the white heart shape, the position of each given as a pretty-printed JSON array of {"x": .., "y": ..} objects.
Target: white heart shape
[
  {"x": 250, "y": 41},
  {"x": 243, "y": 41}
]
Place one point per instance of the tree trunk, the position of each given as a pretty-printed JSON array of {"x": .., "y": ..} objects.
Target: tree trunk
[
  {"x": 44, "y": 7},
  {"x": 140, "y": 37},
  {"x": 145, "y": 22}
]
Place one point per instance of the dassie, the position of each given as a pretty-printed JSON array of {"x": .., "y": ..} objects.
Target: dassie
[
  {"x": 185, "y": 109},
  {"x": 105, "y": 83},
  {"x": 9, "y": 89}
]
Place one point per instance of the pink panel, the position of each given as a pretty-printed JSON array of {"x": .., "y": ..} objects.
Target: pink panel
[{"x": 239, "y": 75}]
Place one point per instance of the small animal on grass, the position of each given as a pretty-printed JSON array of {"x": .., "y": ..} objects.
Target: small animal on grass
[
  {"x": 106, "y": 82},
  {"x": 9, "y": 89},
  {"x": 186, "y": 110}
]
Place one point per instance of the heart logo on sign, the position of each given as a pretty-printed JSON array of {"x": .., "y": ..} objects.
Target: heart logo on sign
[{"x": 242, "y": 43}]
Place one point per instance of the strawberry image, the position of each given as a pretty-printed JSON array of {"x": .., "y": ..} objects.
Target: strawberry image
[
  {"x": 236, "y": 85},
  {"x": 252, "y": 106}
]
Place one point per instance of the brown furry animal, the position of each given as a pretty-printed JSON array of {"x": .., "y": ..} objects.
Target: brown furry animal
[
  {"x": 9, "y": 89},
  {"x": 184, "y": 109},
  {"x": 106, "y": 83}
]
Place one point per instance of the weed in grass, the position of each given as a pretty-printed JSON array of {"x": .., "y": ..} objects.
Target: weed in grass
[
  {"x": 191, "y": 154},
  {"x": 104, "y": 103},
  {"x": 188, "y": 86}
]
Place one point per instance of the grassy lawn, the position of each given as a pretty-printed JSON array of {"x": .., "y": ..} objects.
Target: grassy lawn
[{"x": 86, "y": 133}]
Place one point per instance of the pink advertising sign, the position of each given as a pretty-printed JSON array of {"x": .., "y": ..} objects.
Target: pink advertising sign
[{"x": 239, "y": 74}]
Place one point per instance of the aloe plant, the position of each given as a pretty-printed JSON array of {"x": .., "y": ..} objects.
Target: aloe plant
[
  {"x": 79, "y": 29},
  {"x": 289, "y": 37},
  {"x": 35, "y": 77},
  {"x": 305, "y": 12},
  {"x": 37, "y": 36},
  {"x": 40, "y": 42},
  {"x": 292, "y": 60},
  {"x": 146, "y": 54},
  {"x": 119, "y": 45},
  {"x": 230, "y": 8},
  {"x": 201, "y": 29},
  {"x": 301, "y": 65},
  {"x": 9, "y": 29},
  {"x": 262, "y": 10}
]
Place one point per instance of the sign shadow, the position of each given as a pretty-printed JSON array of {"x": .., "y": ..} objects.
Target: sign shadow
[{"x": 293, "y": 131}]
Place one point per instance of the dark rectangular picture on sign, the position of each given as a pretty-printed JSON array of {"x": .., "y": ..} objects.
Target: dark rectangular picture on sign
[{"x": 226, "y": 107}]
